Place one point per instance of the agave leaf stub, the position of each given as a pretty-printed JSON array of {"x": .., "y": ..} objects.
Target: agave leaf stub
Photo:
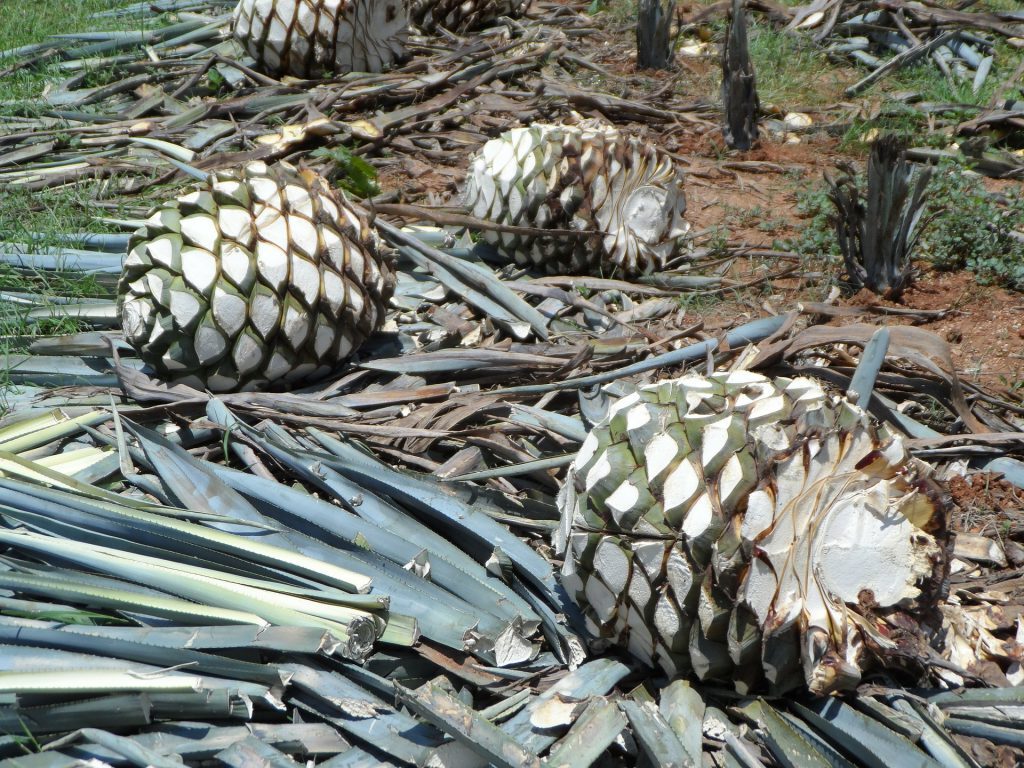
[
  {"x": 308, "y": 38},
  {"x": 263, "y": 278},
  {"x": 623, "y": 195},
  {"x": 745, "y": 529}
]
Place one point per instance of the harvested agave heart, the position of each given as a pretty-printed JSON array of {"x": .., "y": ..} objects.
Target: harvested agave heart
[
  {"x": 752, "y": 530},
  {"x": 461, "y": 15},
  {"x": 262, "y": 278},
  {"x": 308, "y": 38},
  {"x": 626, "y": 194}
]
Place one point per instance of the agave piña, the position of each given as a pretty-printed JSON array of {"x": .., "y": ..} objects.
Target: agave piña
[
  {"x": 754, "y": 531},
  {"x": 307, "y": 38},
  {"x": 263, "y": 277},
  {"x": 624, "y": 195}
]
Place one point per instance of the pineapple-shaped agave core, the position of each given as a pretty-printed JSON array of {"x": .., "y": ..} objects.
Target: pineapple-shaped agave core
[
  {"x": 622, "y": 194},
  {"x": 461, "y": 15},
  {"x": 261, "y": 278},
  {"x": 307, "y": 38},
  {"x": 752, "y": 530}
]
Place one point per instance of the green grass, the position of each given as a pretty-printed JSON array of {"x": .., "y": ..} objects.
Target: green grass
[
  {"x": 49, "y": 213},
  {"x": 26, "y": 22},
  {"x": 30, "y": 21},
  {"x": 924, "y": 79},
  {"x": 791, "y": 70},
  {"x": 57, "y": 211}
]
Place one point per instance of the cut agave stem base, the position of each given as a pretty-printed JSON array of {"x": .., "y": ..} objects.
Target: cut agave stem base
[{"x": 753, "y": 530}]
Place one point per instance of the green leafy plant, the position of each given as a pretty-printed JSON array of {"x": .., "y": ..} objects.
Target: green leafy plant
[
  {"x": 816, "y": 238},
  {"x": 216, "y": 79},
  {"x": 969, "y": 228},
  {"x": 975, "y": 230},
  {"x": 350, "y": 171}
]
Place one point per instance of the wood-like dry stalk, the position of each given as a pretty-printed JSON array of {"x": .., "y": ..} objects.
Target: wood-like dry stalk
[
  {"x": 653, "y": 34},
  {"x": 739, "y": 87}
]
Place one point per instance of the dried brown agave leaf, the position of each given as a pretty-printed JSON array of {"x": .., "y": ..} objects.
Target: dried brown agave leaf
[{"x": 916, "y": 345}]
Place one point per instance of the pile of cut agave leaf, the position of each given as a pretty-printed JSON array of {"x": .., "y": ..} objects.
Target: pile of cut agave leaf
[
  {"x": 325, "y": 576},
  {"x": 328, "y": 576},
  {"x": 360, "y": 573}
]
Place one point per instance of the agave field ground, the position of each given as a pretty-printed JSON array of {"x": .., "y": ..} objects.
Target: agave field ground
[{"x": 362, "y": 572}]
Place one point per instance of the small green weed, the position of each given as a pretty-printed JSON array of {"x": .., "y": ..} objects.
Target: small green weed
[
  {"x": 975, "y": 230},
  {"x": 817, "y": 238},
  {"x": 897, "y": 118},
  {"x": 699, "y": 302},
  {"x": 350, "y": 171},
  {"x": 717, "y": 241},
  {"x": 752, "y": 218}
]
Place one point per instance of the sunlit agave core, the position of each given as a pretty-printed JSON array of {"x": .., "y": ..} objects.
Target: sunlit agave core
[
  {"x": 623, "y": 194},
  {"x": 263, "y": 277},
  {"x": 752, "y": 530}
]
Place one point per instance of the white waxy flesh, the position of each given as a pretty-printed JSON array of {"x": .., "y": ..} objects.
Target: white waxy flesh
[
  {"x": 613, "y": 564},
  {"x": 199, "y": 268},
  {"x": 622, "y": 500},
  {"x": 229, "y": 311},
  {"x": 201, "y": 231}
]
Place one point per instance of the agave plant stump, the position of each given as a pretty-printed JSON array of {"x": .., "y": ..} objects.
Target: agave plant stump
[
  {"x": 739, "y": 87},
  {"x": 653, "y": 34}
]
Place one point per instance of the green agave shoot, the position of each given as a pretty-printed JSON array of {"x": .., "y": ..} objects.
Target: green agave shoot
[
  {"x": 263, "y": 277},
  {"x": 307, "y": 38},
  {"x": 752, "y": 530},
  {"x": 461, "y": 15},
  {"x": 623, "y": 195}
]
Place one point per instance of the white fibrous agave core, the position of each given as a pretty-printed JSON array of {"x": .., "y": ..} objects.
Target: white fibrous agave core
[
  {"x": 309, "y": 38},
  {"x": 751, "y": 530}
]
